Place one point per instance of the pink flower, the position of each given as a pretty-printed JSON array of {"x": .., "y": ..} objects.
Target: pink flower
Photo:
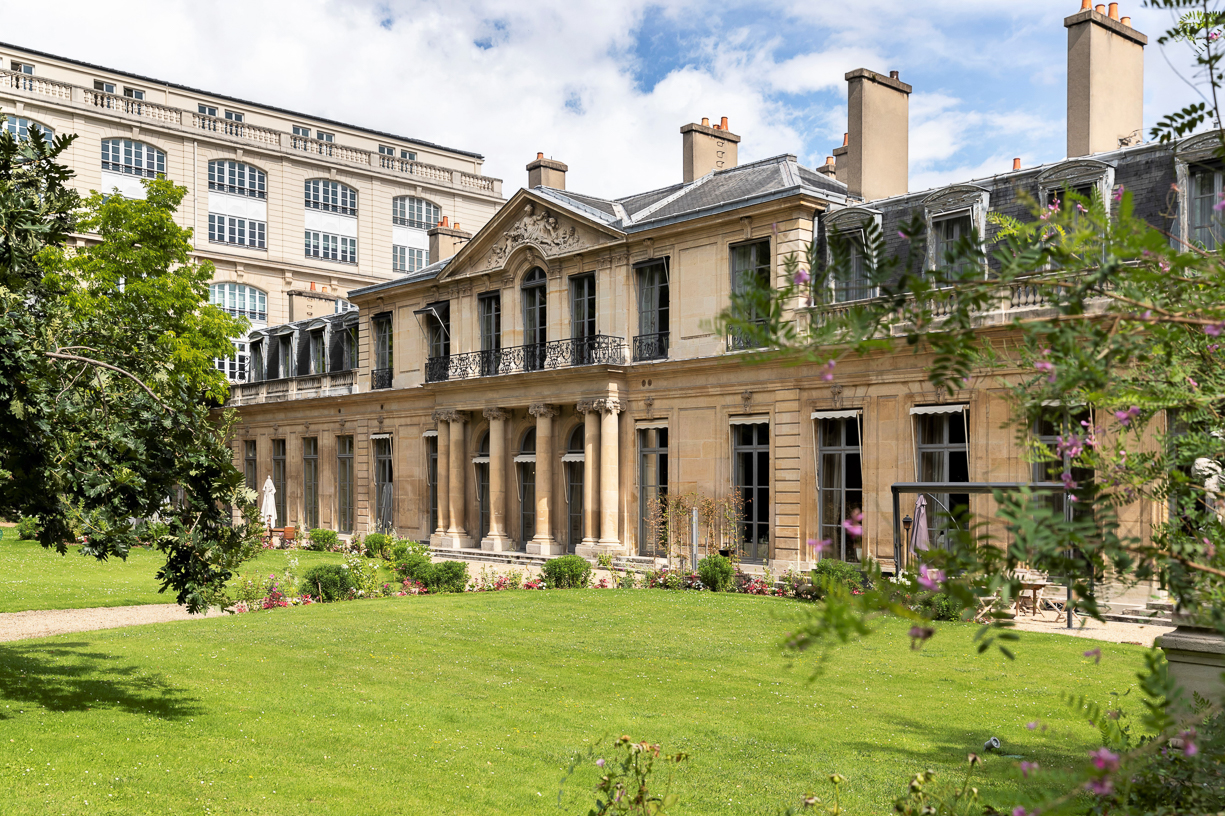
[
  {"x": 1067, "y": 480},
  {"x": 1220, "y": 204},
  {"x": 1189, "y": 748},
  {"x": 1118, "y": 193},
  {"x": 1102, "y": 787},
  {"x": 1209, "y": 548},
  {"x": 1096, "y": 654},
  {"x": 903, "y": 235},
  {"x": 1027, "y": 768},
  {"x": 828, "y": 373},
  {"x": 1020, "y": 811},
  {"x": 931, "y": 580},
  {"x": 1080, "y": 208},
  {"x": 854, "y": 525},
  {"x": 1213, "y": 36},
  {"x": 600, "y": 762},
  {"x": 820, "y": 546},
  {"x": 1045, "y": 366},
  {"x": 1031, "y": 725},
  {"x": 919, "y": 635},
  {"x": 802, "y": 277},
  {"x": 1104, "y": 759},
  {"x": 1125, "y": 417},
  {"x": 1214, "y": 330}
]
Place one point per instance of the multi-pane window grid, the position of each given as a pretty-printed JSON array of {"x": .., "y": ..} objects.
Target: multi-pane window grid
[
  {"x": 21, "y": 127},
  {"x": 407, "y": 211},
  {"x": 331, "y": 247},
  {"x": 331, "y": 196},
  {"x": 310, "y": 482},
  {"x": 751, "y": 461},
  {"x": 856, "y": 285},
  {"x": 653, "y": 489},
  {"x": 237, "y": 178},
  {"x": 239, "y": 300},
  {"x": 1207, "y": 186},
  {"x": 949, "y": 231},
  {"x": 133, "y": 158},
  {"x": 384, "y": 486},
  {"x": 227, "y": 229},
  {"x": 943, "y": 457},
  {"x": 840, "y": 484},
  {"x": 408, "y": 259},
  {"x": 344, "y": 484},
  {"x": 250, "y": 465},
  {"x": 278, "y": 479}
]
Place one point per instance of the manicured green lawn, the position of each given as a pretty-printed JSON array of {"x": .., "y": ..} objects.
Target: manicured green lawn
[
  {"x": 34, "y": 578},
  {"x": 475, "y": 704}
]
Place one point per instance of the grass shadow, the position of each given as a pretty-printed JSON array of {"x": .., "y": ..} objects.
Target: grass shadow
[{"x": 66, "y": 677}]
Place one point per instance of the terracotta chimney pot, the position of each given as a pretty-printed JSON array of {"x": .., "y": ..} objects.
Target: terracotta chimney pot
[
  {"x": 705, "y": 121},
  {"x": 1126, "y": 21},
  {"x": 539, "y": 155},
  {"x": 846, "y": 139},
  {"x": 894, "y": 75},
  {"x": 1016, "y": 164},
  {"x": 723, "y": 124},
  {"x": 1100, "y": 8},
  {"x": 829, "y": 160},
  {"x": 1085, "y": 5},
  {"x": 446, "y": 221},
  {"x": 1114, "y": 11}
]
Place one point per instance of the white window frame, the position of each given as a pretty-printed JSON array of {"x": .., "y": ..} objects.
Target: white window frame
[
  {"x": 104, "y": 87},
  {"x": 123, "y": 156},
  {"x": 243, "y": 232},
  {"x": 409, "y": 259},
  {"x": 20, "y": 127},
  {"x": 954, "y": 202},
  {"x": 331, "y": 196},
  {"x": 850, "y": 220},
  {"x": 1076, "y": 173},
  {"x": 328, "y": 247},
  {"x": 415, "y": 212},
  {"x": 237, "y": 178},
  {"x": 1197, "y": 150}
]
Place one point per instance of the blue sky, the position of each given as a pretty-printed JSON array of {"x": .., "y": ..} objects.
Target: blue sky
[{"x": 605, "y": 85}]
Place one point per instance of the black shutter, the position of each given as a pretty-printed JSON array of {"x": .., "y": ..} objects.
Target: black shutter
[
  {"x": 304, "y": 352},
  {"x": 336, "y": 349}
]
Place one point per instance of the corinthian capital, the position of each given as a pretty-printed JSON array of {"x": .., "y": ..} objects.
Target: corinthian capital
[
  {"x": 542, "y": 410},
  {"x": 449, "y": 415},
  {"x": 610, "y": 405},
  {"x": 498, "y": 414}
]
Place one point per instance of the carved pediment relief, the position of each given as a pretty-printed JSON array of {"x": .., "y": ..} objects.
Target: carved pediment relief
[
  {"x": 956, "y": 197},
  {"x": 1073, "y": 173},
  {"x": 540, "y": 228}
]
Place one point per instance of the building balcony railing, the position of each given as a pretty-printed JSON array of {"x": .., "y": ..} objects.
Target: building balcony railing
[
  {"x": 598, "y": 349},
  {"x": 380, "y": 378},
  {"x": 651, "y": 347},
  {"x": 740, "y": 340},
  {"x": 289, "y": 388},
  {"x": 164, "y": 114}
]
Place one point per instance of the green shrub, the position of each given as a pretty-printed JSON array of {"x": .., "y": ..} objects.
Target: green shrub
[
  {"x": 412, "y": 565},
  {"x": 447, "y": 576},
  {"x": 567, "y": 572},
  {"x": 941, "y": 607},
  {"x": 831, "y": 571},
  {"x": 399, "y": 551},
  {"x": 327, "y": 582},
  {"x": 716, "y": 573},
  {"x": 377, "y": 544},
  {"x": 27, "y": 528},
  {"x": 321, "y": 540}
]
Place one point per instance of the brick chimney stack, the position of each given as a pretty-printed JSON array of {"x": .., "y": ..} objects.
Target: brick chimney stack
[
  {"x": 874, "y": 160},
  {"x": 1105, "y": 81},
  {"x": 446, "y": 240},
  {"x": 546, "y": 173}
]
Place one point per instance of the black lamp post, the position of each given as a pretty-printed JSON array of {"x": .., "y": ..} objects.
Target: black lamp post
[{"x": 906, "y": 522}]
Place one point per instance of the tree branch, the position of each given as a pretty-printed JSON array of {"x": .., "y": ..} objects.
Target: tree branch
[{"x": 75, "y": 358}]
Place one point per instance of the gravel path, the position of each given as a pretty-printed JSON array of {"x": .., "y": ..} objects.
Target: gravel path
[
  {"x": 47, "y": 622},
  {"x": 1112, "y": 631}
]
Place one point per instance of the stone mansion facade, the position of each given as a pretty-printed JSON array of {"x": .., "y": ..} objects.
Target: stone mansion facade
[{"x": 293, "y": 210}]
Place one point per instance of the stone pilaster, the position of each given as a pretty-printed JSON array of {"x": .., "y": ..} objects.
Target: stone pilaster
[
  {"x": 591, "y": 478},
  {"x": 610, "y": 484},
  {"x": 444, "y": 481},
  {"x": 497, "y": 540}
]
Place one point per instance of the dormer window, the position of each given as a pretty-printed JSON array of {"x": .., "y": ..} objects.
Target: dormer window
[
  {"x": 134, "y": 93},
  {"x": 1203, "y": 221},
  {"x": 105, "y": 87},
  {"x": 856, "y": 281},
  {"x": 1087, "y": 178},
  {"x": 954, "y": 214}
]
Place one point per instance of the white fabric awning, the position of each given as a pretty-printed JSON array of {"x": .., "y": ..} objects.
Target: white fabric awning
[
  {"x": 480, "y": 460},
  {"x": 937, "y": 409},
  {"x": 526, "y": 457},
  {"x": 428, "y": 433},
  {"x": 575, "y": 457},
  {"x": 750, "y": 420},
  {"x": 380, "y": 436},
  {"x": 850, "y": 413},
  {"x": 648, "y": 425}
]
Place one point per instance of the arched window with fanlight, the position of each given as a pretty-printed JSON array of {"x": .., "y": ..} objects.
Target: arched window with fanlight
[
  {"x": 411, "y": 219},
  {"x": 525, "y": 464},
  {"x": 535, "y": 319},
  {"x": 126, "y": 162},
  {"x": 240, "y": 300},
  {"x": 572, "y": 461},
  {"x": 480, "y": 463},
  {"x": 21, "y": 127}
]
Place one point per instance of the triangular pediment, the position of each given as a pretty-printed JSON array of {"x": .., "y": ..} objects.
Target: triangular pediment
[{"x": 545, "y": 228}]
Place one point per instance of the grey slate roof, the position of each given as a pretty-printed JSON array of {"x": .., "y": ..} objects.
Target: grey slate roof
[
  {"x": 428, "y": 273},
  {"x": 718, "y": 191}
]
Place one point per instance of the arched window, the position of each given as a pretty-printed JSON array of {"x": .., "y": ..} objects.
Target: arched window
[
  {"x": 535, "y": 319},
  {"x": 331, "y": 196},
  {"x": 240, "y": 300},
  {"x": 237, "y": 178},
  {"x": 407, "y": 211},
  {"x": 21, "y": 127},
  {"x": 526, "y": 463},
  {"x": 133, "y": 158}
]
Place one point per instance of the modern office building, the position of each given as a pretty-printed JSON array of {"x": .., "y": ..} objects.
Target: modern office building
[{"x": 292, "y": 209}]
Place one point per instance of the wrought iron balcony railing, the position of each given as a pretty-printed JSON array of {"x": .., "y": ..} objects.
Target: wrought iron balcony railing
[
  {"x": 651, "y": 347},
  {"x": 380, "y": 378},
  {"x": 597, "y": 349},
  {"x": 740, "y": 340}
]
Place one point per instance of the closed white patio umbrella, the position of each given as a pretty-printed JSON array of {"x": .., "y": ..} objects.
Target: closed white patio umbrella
[{"x": 268, "y": 509}]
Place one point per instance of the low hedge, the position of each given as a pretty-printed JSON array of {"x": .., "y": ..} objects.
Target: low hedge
[
  {"x": 322, "y": 540},
  {"x": 445, "y": 576},
  {"x": 327, "y": 582},
  {"x": 567, "y": 572}
]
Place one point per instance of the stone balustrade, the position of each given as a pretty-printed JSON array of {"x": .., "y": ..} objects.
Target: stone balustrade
[
  {"x": 163, "y": 114},
  {"x": 311, "y": 386}
]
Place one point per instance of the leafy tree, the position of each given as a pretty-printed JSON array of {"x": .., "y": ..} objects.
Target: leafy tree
[
  {"x": 108, "y": 433},
  {"x": 1136, "y": 330}
]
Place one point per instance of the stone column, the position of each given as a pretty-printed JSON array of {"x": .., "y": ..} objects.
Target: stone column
[
  {"x": 497, "y": 540},
  {"x": 610, "y": 484},
  {"x": 544, "y": 543},
  {"x": 455, "y": 537},
  {"x": 591, "y": 477},
  {"x": 443, "y": 487}
]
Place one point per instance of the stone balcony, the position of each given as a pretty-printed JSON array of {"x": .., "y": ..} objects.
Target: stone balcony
[
  {"x": 313, "y": 386},
  {"x": 139, "y": 110}
]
